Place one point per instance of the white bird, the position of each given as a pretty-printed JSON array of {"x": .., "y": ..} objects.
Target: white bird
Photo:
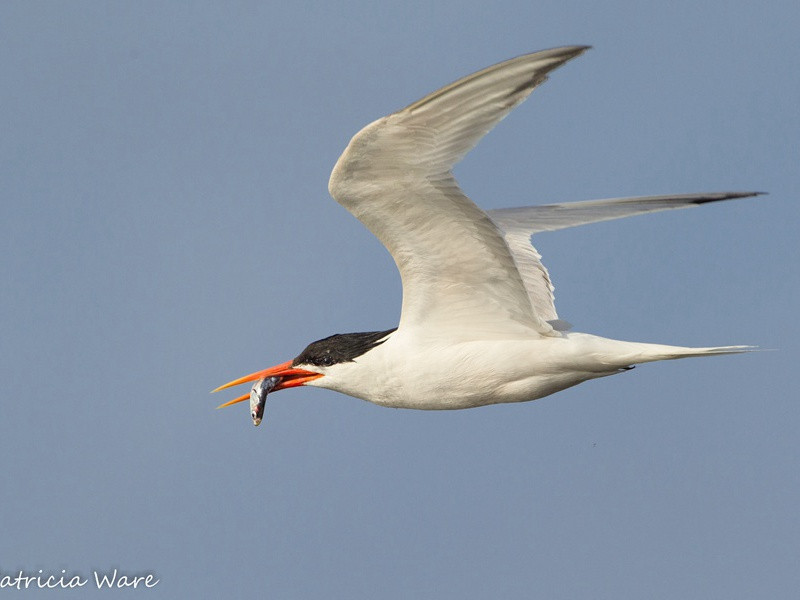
[{"x": 478, "y": 324}]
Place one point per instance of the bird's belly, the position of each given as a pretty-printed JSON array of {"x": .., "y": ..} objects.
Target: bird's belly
[
  {"x": 465, "y": 376},
  {"x": 455, "y": 395}
]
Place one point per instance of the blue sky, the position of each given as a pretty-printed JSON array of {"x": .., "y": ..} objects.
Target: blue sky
[{"x": 165, "y": 227}]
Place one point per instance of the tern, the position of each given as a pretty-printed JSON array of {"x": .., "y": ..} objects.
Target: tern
[{"x": 478, "y": 324}]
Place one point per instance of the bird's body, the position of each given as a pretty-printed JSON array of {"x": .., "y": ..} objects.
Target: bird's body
[
  {"x": 444, "y": 374},
  {"x": 478, "y": 372},
  {"x": 478, "y": 324}
]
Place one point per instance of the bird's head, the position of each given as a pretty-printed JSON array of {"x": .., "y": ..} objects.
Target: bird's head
[{"x": 329, "y": 357}]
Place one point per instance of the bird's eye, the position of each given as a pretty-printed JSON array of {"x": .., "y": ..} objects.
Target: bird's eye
[{"x": 326, "y": 361}]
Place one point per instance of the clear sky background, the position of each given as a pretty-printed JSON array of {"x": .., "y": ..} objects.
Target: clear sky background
[{"x": 165, "y": 227}]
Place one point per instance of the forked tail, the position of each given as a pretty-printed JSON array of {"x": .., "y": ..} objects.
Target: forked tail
[
  {"x": 618, "y": 354},
  {"x": 643, "y": 353}
]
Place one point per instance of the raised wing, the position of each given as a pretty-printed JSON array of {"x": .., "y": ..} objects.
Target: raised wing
[
  {"x": 552, "y": 217},
  {"x": 459, "y": 276},
  {"x": 518, "y": 224}
]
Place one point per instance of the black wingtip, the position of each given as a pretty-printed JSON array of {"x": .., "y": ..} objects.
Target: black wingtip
[{"x": 716, "y": 197}]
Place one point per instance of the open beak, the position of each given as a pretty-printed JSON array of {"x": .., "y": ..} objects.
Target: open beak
[{"x": 289, "y": 377}]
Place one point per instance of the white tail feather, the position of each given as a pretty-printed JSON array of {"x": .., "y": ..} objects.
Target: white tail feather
[{"x": 631, "y": 353}]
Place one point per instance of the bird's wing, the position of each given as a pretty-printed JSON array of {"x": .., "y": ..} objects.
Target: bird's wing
[
  {"x": 459, "y": 276},
  {"x": 518, "y": 224},
  {"x": 552, "y": 217},
  {"x": 534, "y": 274}
]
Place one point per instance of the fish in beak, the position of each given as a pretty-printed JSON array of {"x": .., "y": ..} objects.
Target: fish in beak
[
  {"x": 275, "y": 378},
  {"x": 258, "y": 397}
]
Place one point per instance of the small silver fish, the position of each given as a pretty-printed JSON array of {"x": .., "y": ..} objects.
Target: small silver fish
[{"x": 258, "y": 397}]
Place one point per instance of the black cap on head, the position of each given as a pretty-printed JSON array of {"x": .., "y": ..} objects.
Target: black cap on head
[{"x": 342, "y": 347}]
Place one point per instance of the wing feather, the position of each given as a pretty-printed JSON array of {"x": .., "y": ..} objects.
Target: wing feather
[
  {"x": 552, "y": 217},
  {"x": 519, "y": 224},
  {"x": 459, "y": 276}
]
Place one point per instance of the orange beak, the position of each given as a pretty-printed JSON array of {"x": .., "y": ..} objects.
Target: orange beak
[{"x": 290, "y": 377}]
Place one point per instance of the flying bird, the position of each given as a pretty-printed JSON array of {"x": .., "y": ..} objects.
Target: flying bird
[{"x": 478, "y": 323}]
